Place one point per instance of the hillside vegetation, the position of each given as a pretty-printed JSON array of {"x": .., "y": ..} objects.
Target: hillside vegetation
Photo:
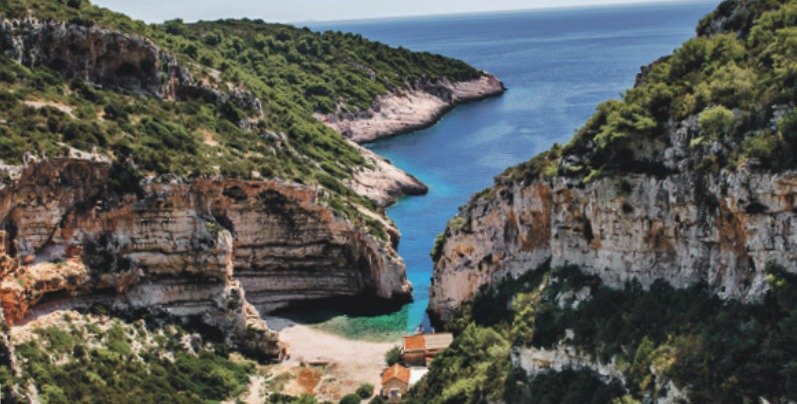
[
  {"x": 94, "y": 358},
  {"x": 731, "y": 90},
  {"x": 712, "y": 350},
  {"x": 293, "y": 72},
  {"x": 734, "y": 85}
]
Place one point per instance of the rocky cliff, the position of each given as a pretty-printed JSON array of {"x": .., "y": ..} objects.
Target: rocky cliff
[
  {"x": 655, "y": 186},
  {"x": 416, "y": 107},
  {"x": 174, "y": 245},
  {"x": 721, "y": 229},
  {"x": 208, "y": 250}
]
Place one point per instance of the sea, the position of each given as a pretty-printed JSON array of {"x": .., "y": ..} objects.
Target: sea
[{"x": 558, "y": 65}]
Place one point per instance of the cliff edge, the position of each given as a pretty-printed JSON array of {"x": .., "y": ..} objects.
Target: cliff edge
[{"x": 690, "y": 178}]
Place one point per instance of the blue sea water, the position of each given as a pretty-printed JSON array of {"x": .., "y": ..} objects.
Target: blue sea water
[{"x": 558, "y": 66}]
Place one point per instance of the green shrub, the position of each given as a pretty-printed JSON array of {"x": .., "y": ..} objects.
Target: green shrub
[
  {"x": 350, "y": 399},
  {"x": 769, "y": 148},
  {"x": 710, "y": 348},
  {"x": 623, "y": 120},
  {"x": 365, "y": 391},
  {"x": 567, "y": 386},
  {"x": 108, "y": 369},
  {"x": 378, "y": 400},
  {"x": 393, "y": 356},
  {"x": 716, "y": 122}
]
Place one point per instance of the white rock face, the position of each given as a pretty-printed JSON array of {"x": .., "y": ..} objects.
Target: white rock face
[
  {"x": 540, "y": 360},
  {"x": 720, "y": 229}
]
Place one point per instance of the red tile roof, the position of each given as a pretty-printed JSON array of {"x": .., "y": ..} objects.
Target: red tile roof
[
  {"x": 414, "y": 343},
  {"x": 420, "y": 342},
  {"x": 398, "y": 372}
]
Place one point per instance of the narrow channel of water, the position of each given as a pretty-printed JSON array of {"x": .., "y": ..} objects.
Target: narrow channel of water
[{"x": 558, "y": 65}]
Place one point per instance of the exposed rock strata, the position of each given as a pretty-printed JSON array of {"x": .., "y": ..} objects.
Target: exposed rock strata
[
  {"x": 689, "y": 226},
  {"x": 412, "y": 109},
  {"x": 207, "y": 250}
]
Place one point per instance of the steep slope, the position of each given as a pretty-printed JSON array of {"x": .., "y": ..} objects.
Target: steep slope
[
  {"x": 178, "y": 172},
  {"x": 651, "y": 258},
  {"x": 688, "y": 178}
]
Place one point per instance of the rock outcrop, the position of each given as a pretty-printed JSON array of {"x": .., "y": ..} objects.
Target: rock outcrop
[
  {"x": 689, "y": 226},
  {"x": 415, "y": 108},
  {"x": 535, "y": 361},
  {"x": 212, "y": 251},
  {"x": 381, "y": 181}
]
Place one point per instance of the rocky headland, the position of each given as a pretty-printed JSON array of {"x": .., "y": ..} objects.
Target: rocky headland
[{"x": 416, "y": 107}]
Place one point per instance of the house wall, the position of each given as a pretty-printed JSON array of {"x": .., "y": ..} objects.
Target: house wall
[
  {"x": 394, "y": 384},
  {"x": 414, "y": 358}
]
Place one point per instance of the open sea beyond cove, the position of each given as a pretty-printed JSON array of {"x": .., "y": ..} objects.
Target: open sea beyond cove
[{"x": 558, "y": 66}]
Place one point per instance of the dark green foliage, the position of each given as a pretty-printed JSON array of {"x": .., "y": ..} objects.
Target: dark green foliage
[
  {"x": 474, "y": 368},
  {"x": 281, "y": 398},
  {"x": 492, "y": 305},
  {"x": 691, "y": 328},
  {"x": 393, "y": 356},
  {"x": 714, "y": 350},
  {"x": 124, "y": 179},
  {"x": 568, "y": 386},
  {"x": 437, "y": 247},
  {"x": 328, "y": 68},
  {"x": 378, "y": 400},
  {"x": 350, "y": 399},
  {"x": 365, "y": 391}
]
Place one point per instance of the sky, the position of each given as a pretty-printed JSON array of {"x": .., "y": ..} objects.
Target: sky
[{"x": 325, "y": 10}]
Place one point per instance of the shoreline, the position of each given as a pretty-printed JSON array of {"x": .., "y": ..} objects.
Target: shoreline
[
  {"x": 402, "y": 112},
  {"x": 340, "y": 364},
  {"x": 383, "y": 182},
  {"x": 398, "y": 113}
]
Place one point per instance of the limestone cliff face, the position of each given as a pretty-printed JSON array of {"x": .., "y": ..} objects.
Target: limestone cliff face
[
  {"x": 209, "y": 250},
  {"x": 690, "y": 226}
]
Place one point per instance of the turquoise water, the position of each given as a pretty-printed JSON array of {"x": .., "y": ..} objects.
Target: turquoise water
[{"x": 557, "y": 64}]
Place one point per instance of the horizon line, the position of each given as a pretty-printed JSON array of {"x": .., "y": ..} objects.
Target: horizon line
[
  {"x": 308, "y": 23},
  {"x": 613, "y": 4}
]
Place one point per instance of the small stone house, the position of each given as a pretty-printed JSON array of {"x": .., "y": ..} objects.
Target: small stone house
[
  {"x": 395, "y": 382},
  {"x": 413, "y": 351},
  {"x": 420, "y": 349}
]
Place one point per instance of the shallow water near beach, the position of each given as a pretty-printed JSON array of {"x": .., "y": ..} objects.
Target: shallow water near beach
[{"x": 558, "y": 65}]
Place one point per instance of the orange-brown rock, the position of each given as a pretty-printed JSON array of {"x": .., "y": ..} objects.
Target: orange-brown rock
[{"x": 204, "y": 249}]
